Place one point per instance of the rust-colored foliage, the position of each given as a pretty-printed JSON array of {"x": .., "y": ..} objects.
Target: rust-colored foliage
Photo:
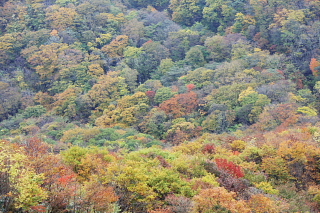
[
  {"x": 39, "y": 208},
  {"x": 35, "y": 147},
  {"x": 116, "y": 47},
  {"x": 66, "y": 179},
  {"x": 313, "y": 170},
  {"x": 182, "y": 132},
  {"x": 60, "y": 182},
  {"x": 229, "y": 167},
  {"x": 281, "y": 116},
  {"x": 163, "y": 161},
  {"x": 313, "y": 66},
  {"x": 44, "y": 99},
  {"x": 100, "y": 196},
  {"x": 180, "y": 105},
  {"x": 209, "y": 148}
]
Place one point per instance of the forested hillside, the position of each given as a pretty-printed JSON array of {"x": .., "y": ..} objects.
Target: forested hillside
[{"x": 160, "y": 106}]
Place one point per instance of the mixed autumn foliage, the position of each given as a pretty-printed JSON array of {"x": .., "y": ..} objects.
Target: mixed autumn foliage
[{"x": 159, "y": 106}]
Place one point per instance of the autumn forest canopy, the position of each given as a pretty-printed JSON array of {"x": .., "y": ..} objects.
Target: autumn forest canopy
[{"x": 160, "y": 106}]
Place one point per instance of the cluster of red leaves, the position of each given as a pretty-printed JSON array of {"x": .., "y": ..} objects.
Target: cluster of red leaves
[
  {"x": 209, "y": 148},
  {"x": 66, "y": 179},
  {"x": 190, "y": 87},
  {"x": 150, "y": 94},
  {"x": 38, "y": 208},
  {"x": 229, "y": 167}
]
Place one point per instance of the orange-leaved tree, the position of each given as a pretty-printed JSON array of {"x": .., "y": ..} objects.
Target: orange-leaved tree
[
  {"x": 313, "y": 66},
  {"x": 180, "y": 105},
  {"x": 219, "y": 198}
]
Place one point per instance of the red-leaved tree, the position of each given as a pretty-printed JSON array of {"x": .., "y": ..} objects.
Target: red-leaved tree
[{"x": 229, "y": 167}]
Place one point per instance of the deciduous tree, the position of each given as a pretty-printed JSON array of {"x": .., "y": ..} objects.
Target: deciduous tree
[
  {"x": 61, "y": 18},
  {"x": 218, "y": 198}
]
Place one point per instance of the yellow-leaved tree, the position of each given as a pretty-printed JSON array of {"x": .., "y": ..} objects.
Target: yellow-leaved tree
[{"x": 20, "y": 182}]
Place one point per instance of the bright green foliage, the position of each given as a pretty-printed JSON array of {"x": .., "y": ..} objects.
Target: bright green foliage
[
  {"x": 186, "y": 12},
  {"x": 164, "y": 67},
  {"x": 200, "y": 77},
  {"x": 195, "y": 57},
  {"x": 163, "y": 94},
  {"x": 219, "y": 15},
  {"x": 132, "y": 53},
  {"x": 252, "y": 153},
  {"x": 208, "y": 178},
  {"x": 112, "y": 138},
  {"x": 35, "y": 111},
  {"x": 81, "y": 75},
  {"x": 227, "y": 95},
  {"x": 168, "y": 181},
  {"x": 252, "y": 104}
]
